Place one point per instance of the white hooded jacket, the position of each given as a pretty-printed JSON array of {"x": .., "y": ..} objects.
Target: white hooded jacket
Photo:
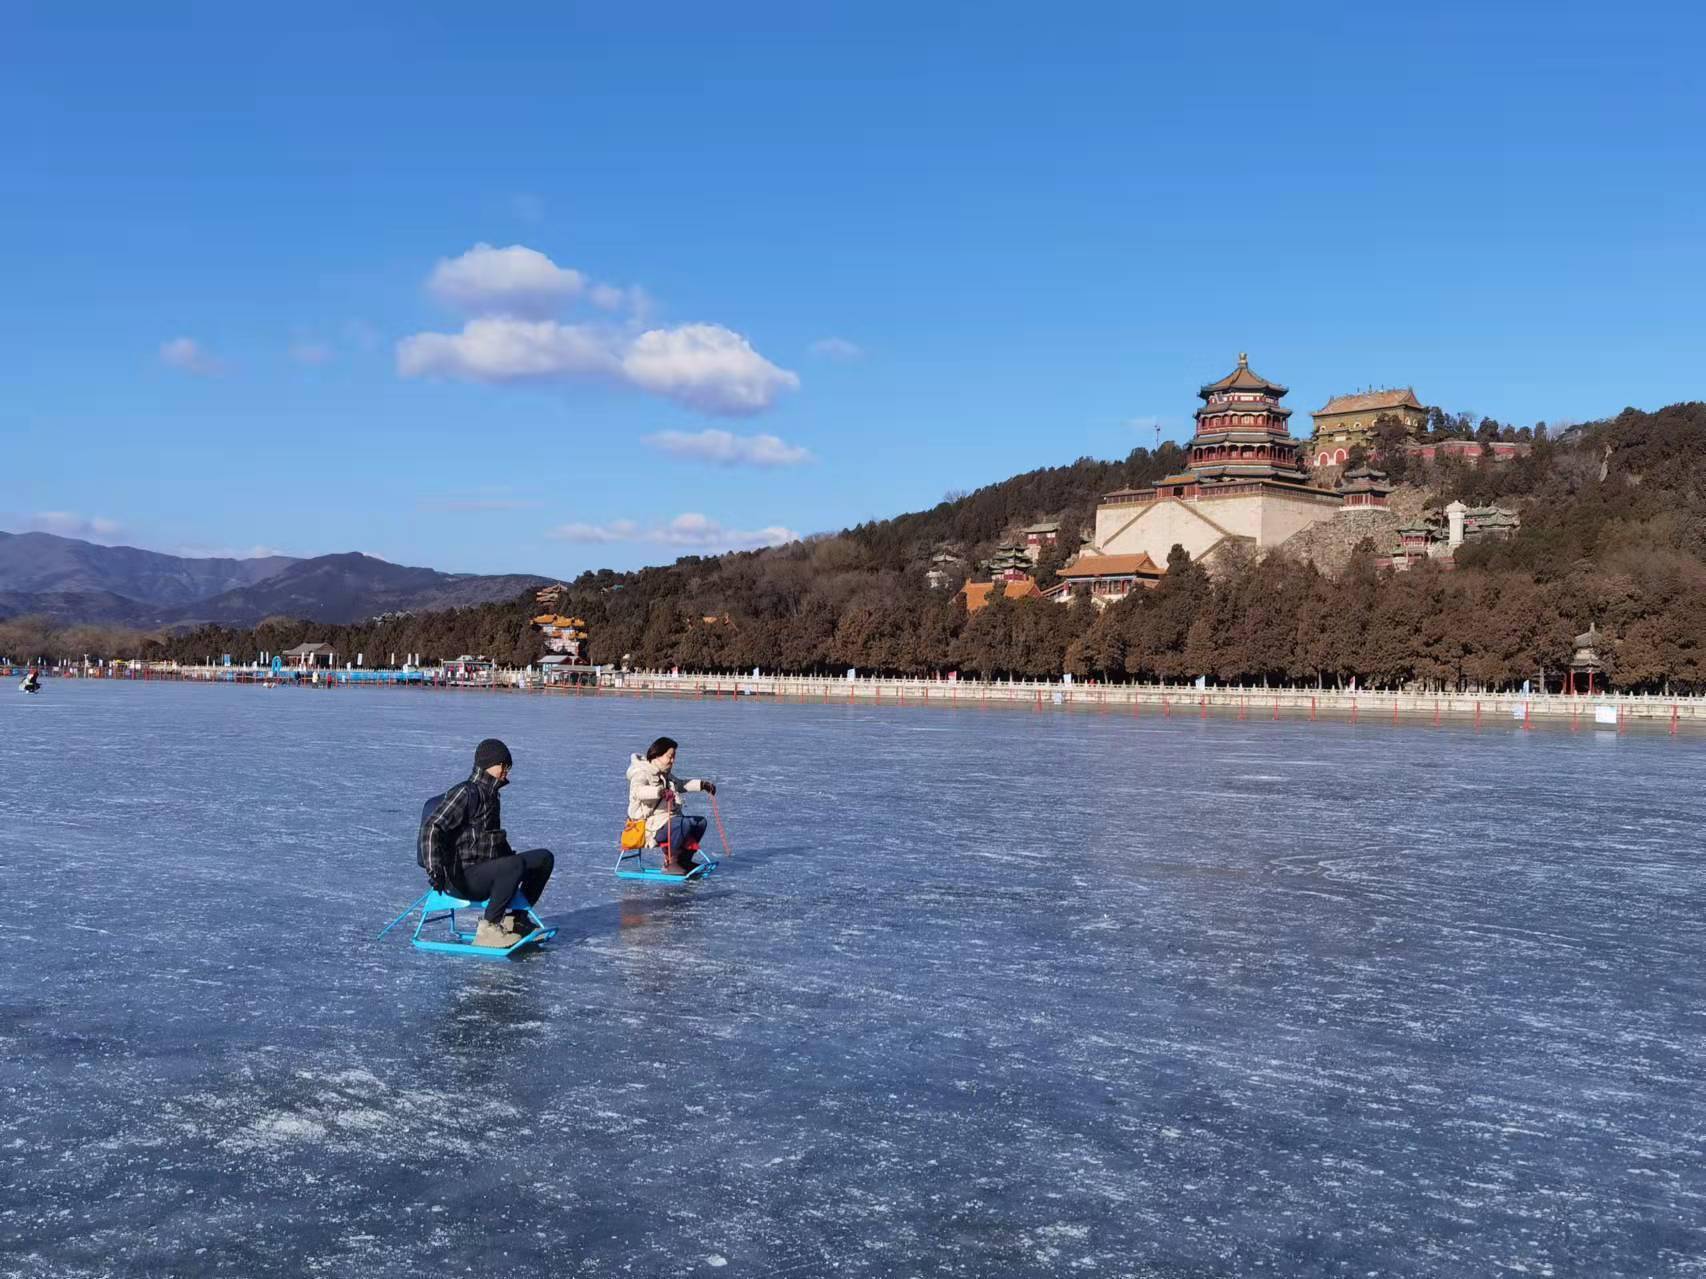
[{"x": 654, "y": 795}]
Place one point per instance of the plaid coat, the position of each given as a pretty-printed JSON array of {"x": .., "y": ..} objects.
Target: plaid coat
[{"x": 465, "y": 828}]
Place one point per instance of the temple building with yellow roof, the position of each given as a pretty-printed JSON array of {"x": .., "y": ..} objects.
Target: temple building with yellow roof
[
  {"x": 564, "y": 636},
  {"x": 1347, "y": 421}
]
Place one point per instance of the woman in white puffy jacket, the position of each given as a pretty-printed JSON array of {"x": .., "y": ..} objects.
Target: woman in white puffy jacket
[{"x": 654, "y": 797}]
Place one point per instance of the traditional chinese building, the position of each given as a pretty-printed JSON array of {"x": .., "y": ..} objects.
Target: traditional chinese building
[
  {"x": 1585, "y": 663},
  {"x": 1496, "y": 522},
  {"x": 1363, "y": 488},
  {"x": 976, "y": 594},
  {"x": 945, "y": 566},
  {"x": 1009, "y": 563},
  {"x": 1437, "y": 536},
  {"x": 1038, "y": 536},
  {"x": 306, "y": 656},
  {"x": 1102, "y": 579},
  {"x": 1471, "y": 452},
  {"x": 1420, "y": 540},
  {"x": 1345, "y": 421},
  {"x": 563, "y": 635},
  {"x": 1245, "y": 481}
]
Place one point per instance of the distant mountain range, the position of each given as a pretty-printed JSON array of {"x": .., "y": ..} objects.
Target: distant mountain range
[{"x": 69, "y": 580}]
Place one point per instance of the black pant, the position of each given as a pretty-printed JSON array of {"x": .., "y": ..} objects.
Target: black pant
[{"x": 496, "y": 880}]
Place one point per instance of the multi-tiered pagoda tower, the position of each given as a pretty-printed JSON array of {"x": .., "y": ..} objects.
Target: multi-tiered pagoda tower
[
  {"x": 1245, "y": 482},
  {"x": 1242, "y": 432}
]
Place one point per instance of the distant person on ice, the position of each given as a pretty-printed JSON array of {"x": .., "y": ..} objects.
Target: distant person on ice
[
  {"x": 465, "y": 850},
  {"x": 654, "y": 797}
]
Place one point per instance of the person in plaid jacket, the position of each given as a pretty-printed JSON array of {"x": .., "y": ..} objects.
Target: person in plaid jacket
[{"x": 466, "y": 852}]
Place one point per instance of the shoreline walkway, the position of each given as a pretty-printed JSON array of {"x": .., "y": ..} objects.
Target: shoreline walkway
[{"x": 1604, "y": 711}]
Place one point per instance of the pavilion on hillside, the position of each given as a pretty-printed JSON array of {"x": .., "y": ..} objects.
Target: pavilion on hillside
[
  {"x": 1364, "y": 488},
  {"x": 1009, "y": 563}
]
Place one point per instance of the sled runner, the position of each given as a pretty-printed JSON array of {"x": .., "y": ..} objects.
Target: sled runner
[{"x": 630, "y": 864}]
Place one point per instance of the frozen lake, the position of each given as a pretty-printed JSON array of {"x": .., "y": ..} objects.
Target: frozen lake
[{"x": 981, "y": 993}]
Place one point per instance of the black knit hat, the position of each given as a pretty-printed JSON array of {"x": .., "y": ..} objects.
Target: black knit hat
[{"x": 489, "y": 752}]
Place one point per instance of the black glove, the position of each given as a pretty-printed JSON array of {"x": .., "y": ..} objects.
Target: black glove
[{"x": 710, "y": 788}]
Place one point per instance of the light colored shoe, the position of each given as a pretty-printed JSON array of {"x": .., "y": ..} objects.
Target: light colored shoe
[{"x": 495, "y": 936}]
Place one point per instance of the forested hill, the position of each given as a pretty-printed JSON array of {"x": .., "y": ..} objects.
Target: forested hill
[
  {"x": 975, "y": 522},
  {"x": 1614, "y": 532}
]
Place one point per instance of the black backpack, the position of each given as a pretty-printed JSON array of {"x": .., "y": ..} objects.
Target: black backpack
[{"x": 427, "y": 810}]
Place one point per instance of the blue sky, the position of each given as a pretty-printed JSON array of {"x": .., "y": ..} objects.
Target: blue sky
[{"x": 887, "y": 249}]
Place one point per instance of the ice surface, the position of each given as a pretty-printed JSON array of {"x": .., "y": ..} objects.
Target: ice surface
[{"x": 981, "y": 993}]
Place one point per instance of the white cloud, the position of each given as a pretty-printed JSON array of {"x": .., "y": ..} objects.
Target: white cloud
[
  {"x": 611, "y": 298},
  {"x": 838, "y": 349},
  {"x": 310, "y": 353},
  {"x": 513, "y": 296},
  {"x": 93, "y": 528},
  {"x": 190, "y": 356},
  {"x": 501, "y": 349},
  {"x": 615, "y": 531},
  {"x": 727, "y": 449},
  {"x": 515, "y": 281},
  {"x": 689, "y": 529},
  {"x": 704, "y": 366}
]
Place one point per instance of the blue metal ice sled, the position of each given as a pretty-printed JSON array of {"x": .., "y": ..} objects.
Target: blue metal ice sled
[
  {"x": 436, "y": 907},
  {"x": 631, "y": 864}
]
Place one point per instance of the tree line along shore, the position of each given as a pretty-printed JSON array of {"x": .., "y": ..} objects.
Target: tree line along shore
[{"x": 1613, "y": 534}]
